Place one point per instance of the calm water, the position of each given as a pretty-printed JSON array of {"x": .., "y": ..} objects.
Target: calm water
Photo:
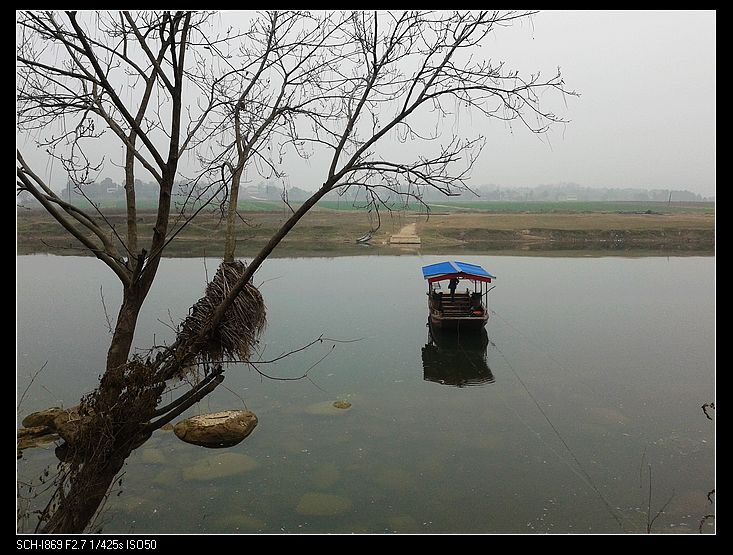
[{"x": 593, "y": 369}]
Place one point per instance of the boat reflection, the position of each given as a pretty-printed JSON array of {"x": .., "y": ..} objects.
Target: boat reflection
[{"x": 458, "y": 360}]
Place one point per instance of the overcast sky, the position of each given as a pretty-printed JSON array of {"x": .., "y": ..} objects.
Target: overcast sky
[
  {"x": 645, "y": 117},
  {"x": 646, "y": 114}
]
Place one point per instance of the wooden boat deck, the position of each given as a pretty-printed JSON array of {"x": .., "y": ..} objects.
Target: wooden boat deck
[{"x": 449, "y": 312}]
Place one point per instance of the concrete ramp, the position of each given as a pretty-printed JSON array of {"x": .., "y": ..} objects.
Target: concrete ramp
[{"x": 406, "y": 236}]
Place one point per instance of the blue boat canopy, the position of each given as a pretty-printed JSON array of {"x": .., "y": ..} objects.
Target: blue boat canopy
[{"x": 453, "y": 269}]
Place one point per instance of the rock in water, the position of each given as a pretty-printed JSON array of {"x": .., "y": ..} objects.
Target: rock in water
[
  {"x": 42, "y": 418},
  {"x": 328, "y": 408},
  {"x": 217, "y": 429},
  {"x": 322, "y": 504},
  {"x": 221, "y": 465},
  {"x": 69, "y": 424},
  {"x": 35, "y": 437}
]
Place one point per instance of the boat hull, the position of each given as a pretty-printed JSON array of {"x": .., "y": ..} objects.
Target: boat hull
[{"x": 462, "y": 323}]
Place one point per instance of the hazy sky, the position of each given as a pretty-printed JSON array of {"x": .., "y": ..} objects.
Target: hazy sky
[{"x": 645, "y": 117}]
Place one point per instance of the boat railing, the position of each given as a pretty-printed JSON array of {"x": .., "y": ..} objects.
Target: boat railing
[{"x": 461, "y": 304}]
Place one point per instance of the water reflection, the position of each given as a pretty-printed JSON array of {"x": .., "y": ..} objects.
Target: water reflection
[
  {"x": 422, "y": 471},
  {"x": 458, "y": 360}
]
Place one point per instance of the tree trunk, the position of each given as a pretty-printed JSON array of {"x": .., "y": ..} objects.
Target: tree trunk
[
  {"x": 84, "y": 497},
  {"x": 231, "y": 231},
  {"x": 130, "y": 199},
  {"x": 112, "y": 382}
]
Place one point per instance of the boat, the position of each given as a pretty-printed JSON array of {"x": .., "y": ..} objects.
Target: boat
[{"x": 455, "y": 309}]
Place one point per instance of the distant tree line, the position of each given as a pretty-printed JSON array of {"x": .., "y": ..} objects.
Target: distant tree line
[
  {"x": 572, "y": 192},
  {"x": 272, "y": 190},
  {"x": 109, "y": 190}
]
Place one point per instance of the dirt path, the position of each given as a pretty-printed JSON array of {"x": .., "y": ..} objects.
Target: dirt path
[
  {"x": 406, "y": 236},
  {"x": 409, "y": 229}
]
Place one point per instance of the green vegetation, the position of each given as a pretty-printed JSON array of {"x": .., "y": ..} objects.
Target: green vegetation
[
  {"x": 571, "y": 207},
  {"x": 518, "y": 207},
  {"x": 350, "y": 206},
  {"x": 544, "y": 207},
  {"x": 454, "y": 206}
]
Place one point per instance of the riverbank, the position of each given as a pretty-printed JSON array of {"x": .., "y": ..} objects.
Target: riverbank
[{"x": 333, "y": 232}]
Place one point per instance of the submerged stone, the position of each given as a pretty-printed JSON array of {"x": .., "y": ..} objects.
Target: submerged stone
[
  {"x": 293, "y": 445},
  {"x": 325, "y": 476},
  {"x": 152, "y": 456},
  {"x": 220, "y": 466},
  {"x": 240, "y": 523},
  {"x": 328, "y": 408},
  {"x": 403, "y": 524},
  {"x": 395, "y": 479},
  {"x": 167, "y": 477},
  {"x": 218, "y": 429},
  {"x": 322, "y": 504}
]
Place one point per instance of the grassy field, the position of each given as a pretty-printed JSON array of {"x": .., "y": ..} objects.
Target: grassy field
[
  {"x": 578, "y": 207},
  {"x": 519, "y": 207},
  {"x": 453, "y": 206},
  {"x": 326, "y": 230}
]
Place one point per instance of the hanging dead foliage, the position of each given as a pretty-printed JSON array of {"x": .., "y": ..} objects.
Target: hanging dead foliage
[{"x": 237, "y": 333}]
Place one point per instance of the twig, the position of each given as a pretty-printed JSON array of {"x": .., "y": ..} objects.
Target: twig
[
  {"x": 703, "y": 520},
  {"x": 707, "y": 517},
  {"x": 649, "y": 520},
  {"x": 705, "y": 408},
  {"x": 25, "y": 391},
  {"x": 188, "y": 394},
  {"x": 238, "y": 396},
  {"x": 710, "y": 495},
  {"x": 320, "y": 339},
  {"x": 649, "y": 504},
  {"x": 641, "y": 467},
  {"x": 200, "y": 394},
  {"x": 106, "y": 314},
  {"x": 292, "y": 378}
]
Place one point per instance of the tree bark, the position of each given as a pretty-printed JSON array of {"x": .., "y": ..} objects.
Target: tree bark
[
  {"x": 231, "y": 230},
  {"x": 130, "y": 198},
  {"x": 113, "y": 379},
  {"x": 86, "y": 494}
]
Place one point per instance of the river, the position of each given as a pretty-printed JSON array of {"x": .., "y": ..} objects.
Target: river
[{"x": 590, "y": 379}]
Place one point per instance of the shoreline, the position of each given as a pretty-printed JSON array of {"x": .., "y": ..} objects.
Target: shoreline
[{"x": 325, "y": 232}]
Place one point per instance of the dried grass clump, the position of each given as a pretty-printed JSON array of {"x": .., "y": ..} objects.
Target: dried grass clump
[{"x": 237, "y": 333}]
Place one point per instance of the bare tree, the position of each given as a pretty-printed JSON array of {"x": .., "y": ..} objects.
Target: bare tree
[
  {"x": 277, "y": 70},
  {"x": 343, "y": 86},
  {"x": 81, "y": 76},
  {"x": 393, "y": 69}
]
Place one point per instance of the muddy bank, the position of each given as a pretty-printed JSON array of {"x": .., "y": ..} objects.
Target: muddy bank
[{"x": 333, "y": 233}]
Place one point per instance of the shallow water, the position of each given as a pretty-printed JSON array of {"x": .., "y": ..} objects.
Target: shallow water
[{"x": 594, "y": 369}]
